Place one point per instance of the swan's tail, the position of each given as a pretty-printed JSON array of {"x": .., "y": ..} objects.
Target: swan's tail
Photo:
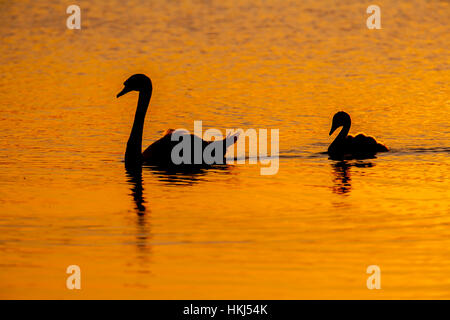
[
  {"x": 231, "y": 139},
  {"x": 228, "y": 141}
]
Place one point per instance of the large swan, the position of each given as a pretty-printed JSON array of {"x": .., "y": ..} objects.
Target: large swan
[
  {"x": 159, "y": 152},
  {"x": 347, "y": 146}
]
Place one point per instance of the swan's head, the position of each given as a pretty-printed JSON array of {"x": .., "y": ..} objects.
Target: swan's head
[
  {"x": 340, "y": 119},
  {"x": 137, "y": 82}
]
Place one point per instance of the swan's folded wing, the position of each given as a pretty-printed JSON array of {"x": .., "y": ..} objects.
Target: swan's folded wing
[{"x": 159, "y": 151}]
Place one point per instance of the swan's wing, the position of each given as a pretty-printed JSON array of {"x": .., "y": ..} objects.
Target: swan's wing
[
  {"x": 368, "y": 144},
  {"x": 160, "y": 150}
]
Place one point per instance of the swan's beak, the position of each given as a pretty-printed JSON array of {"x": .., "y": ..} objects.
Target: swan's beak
[
  {"x": 333, "y": 128},
  {"x": 125, "y": 90}
]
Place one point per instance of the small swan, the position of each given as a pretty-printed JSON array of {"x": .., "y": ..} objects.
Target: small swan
[
  {"x": 347, "y": 146},
  {"x": 159, "y": 152}
]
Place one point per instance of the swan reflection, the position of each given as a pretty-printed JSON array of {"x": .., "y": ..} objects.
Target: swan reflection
[
  {"x": 187, "y": 176},
  {"x": 169, "y": 177},
  {"x": 134, "y": 178},
  {"x": 342, "y": 175}
]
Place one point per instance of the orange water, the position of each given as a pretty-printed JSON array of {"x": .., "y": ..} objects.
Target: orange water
[{"x": 310, "y": 231}]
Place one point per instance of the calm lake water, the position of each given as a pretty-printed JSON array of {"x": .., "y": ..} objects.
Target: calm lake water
[{"x": 310, "y": 231}]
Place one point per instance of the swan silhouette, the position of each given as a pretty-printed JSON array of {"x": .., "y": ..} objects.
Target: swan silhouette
[
  {"x": 159, "y": 152},
  {"x": 348, "y": 146}
]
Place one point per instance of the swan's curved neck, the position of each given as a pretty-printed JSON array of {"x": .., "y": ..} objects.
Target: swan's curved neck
[
  {"x": 133, "y": 154},
  {"x": 340, "y": 138}
]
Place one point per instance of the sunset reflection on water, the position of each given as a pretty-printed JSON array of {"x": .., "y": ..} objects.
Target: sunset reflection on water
[{"x": 310, "y": 231}]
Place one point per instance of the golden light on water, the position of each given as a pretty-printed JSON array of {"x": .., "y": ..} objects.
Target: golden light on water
[{"x": 310, "y": 231}]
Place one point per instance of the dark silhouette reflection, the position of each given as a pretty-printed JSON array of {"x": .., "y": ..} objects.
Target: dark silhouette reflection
[
  {"x": 143, "y": 234},
  {"x": 177, "y": 177},
  {"x": 342, "y": 175},
  {"x": 134, "y": 178},
  {"x": 188, "y": 175},
  {"x": 134, "y": 175},
  {"x": 171, "y": 176}
]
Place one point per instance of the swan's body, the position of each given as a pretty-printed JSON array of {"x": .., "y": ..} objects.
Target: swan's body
[
  {"x": 348, "y": 146},
  {"x": 160, "y": 152}
]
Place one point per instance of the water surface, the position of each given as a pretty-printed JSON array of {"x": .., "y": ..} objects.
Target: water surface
[{"x": 310, "y": 231}]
